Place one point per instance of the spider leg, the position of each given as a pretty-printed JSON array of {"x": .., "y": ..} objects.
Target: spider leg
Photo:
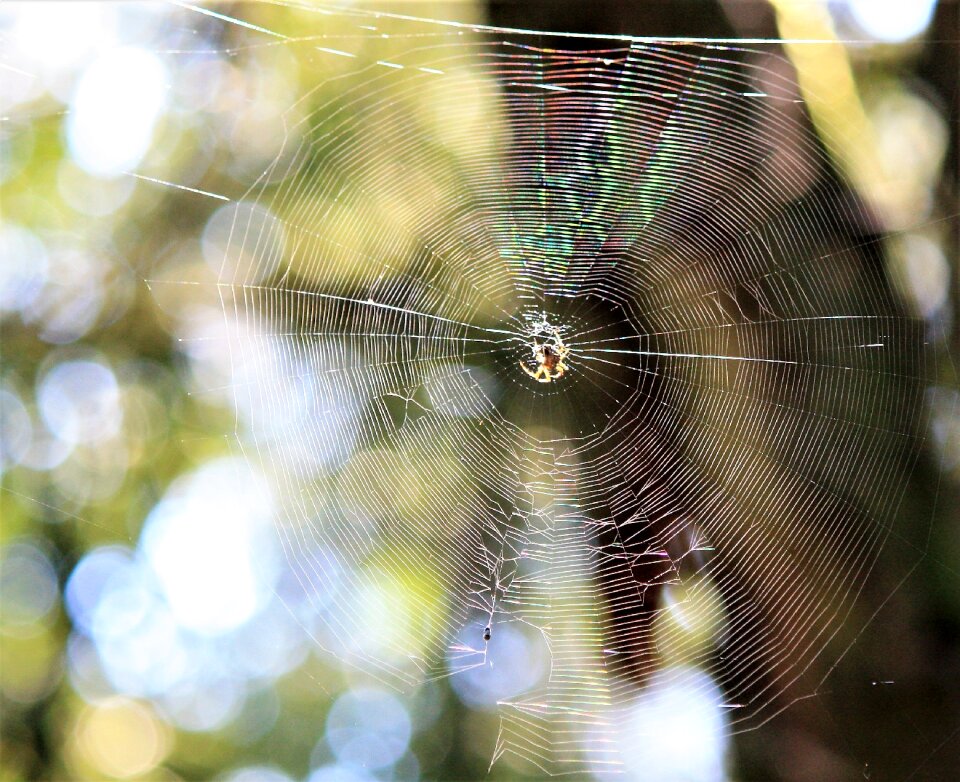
[{"x": 529, "y": 371}]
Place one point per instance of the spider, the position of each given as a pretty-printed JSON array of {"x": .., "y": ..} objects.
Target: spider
[{"x": 549, "y": 360}]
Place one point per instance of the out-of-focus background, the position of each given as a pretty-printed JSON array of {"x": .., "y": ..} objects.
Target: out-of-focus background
[{"x": 127, "y": 651}]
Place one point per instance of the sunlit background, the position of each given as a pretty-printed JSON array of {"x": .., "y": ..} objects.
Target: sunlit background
[{"x": 150, "y": 628}]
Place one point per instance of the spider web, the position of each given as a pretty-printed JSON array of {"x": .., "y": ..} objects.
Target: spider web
[{"x": 709, "y": 482}]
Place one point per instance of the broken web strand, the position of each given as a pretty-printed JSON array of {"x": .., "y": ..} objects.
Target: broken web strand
[{"x": 429, "y": 215}]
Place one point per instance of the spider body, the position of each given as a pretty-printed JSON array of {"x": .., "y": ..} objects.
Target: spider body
[{"x": 549, "y": 360}]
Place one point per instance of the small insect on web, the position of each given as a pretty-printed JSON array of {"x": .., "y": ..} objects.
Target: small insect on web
[{"x": 710, "y": 476}]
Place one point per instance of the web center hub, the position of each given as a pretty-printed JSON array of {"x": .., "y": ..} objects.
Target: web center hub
[{"x": 548, "y": 354}]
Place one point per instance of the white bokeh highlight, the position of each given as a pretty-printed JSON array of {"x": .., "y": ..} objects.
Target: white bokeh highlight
[
  {"x": 113, "y": 112},
  {"x": 210, "y": 545},
  {"x": 892, "y": 21}
]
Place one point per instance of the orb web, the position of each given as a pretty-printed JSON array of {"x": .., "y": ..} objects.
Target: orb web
[{"x": 707, "y": 482}]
